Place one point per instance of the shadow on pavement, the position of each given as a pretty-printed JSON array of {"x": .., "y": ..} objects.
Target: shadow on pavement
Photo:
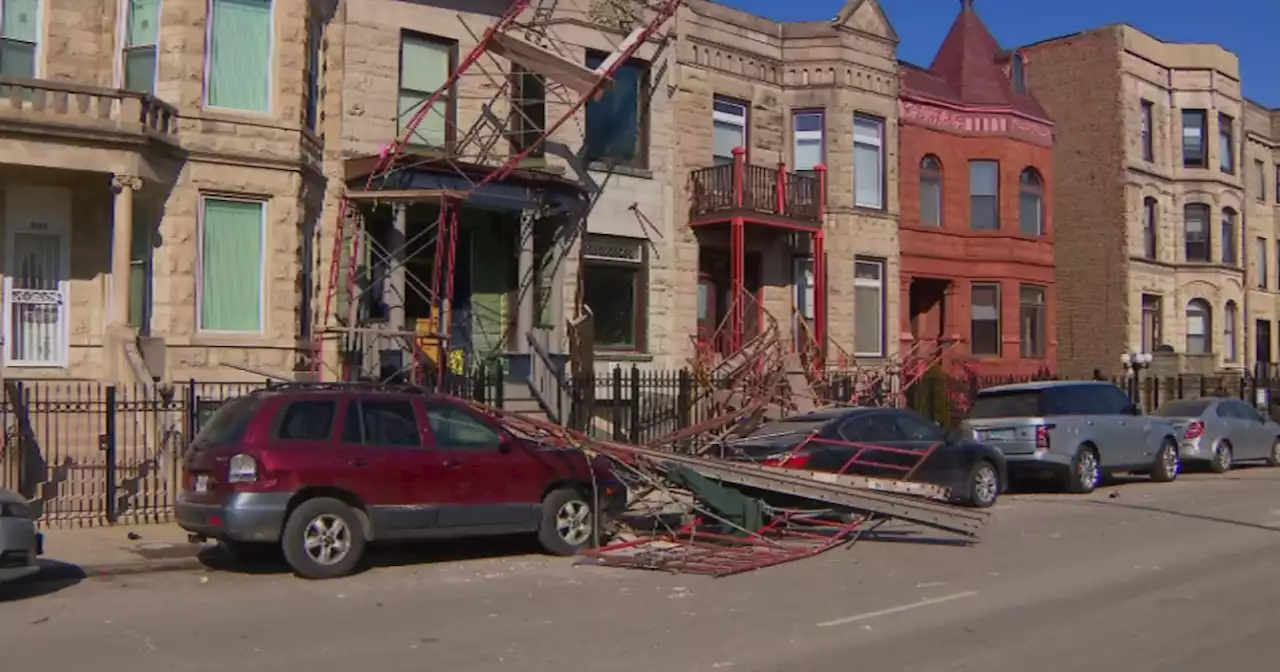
[
  {"x": 53, "y": 577},
  {"x": 270, "y": 561},
  {"x": 1171, "y": 512},
  {"x": 913, "y": 537}
]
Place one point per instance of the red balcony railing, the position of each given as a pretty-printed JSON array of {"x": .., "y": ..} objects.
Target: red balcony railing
[{"x": 740, "y": 189}]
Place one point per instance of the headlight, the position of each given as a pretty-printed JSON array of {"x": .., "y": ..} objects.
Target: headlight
[{"x": 14, "y": 510}]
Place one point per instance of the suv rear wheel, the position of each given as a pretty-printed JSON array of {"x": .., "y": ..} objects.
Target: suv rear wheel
[
  {"x": 1085, "y": 471},
  {"x": 1167, "y": 463},
  {"x": 568, "y": 522},
  {"x": 323, "y": 539}
]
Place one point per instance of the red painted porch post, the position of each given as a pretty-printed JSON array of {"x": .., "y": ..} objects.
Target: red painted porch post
[
  {"x": 782, "y": 188},
  {"x": 739, "y": 175},
  {"x": 737, "y": 272},
  {"x": 820, "y": 269}
]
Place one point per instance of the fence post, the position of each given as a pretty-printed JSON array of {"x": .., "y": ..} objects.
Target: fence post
[
  {"x": 684, "y": 399},
  {"x": 616, "y": 407},
  {"x": 634, "y": 435},
  {"x": 499, "y": 384},
  {"x": 108, "y": 446},
  {"x": 1180, "y": 389}
]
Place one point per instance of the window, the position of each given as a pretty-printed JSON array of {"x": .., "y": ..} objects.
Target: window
[
  {"x": 809, "y": 145},
  {"x": 984, "y": 319},
  {"x": 19, "y": 35},
  {"x": 238, "y": 63},
  {"x": 1193, "y": 132},
  {"x": 315, "y": 40},
  {"x": 1226, "y": 144},
  {"x": 231, "y": 265},
  {"x": 141, "y": 33},
  {"x": 529, "y": 102},
  {"x": 1149, "y": 223},
  {"x": 912, "y": 427},
  {"x": 1152, "y": 323},
  {"x": 1277, "y": 189},
  {"x": 452, "y": 428},
  {"x": 1030, "y": 203},
  {"x": 618, "y": 121},
  {"x": 1261, "y": 252},
  {"x": 1259, "y": 180},
  {"x": 1031, "y": 318},
  {"x": 1199, "y": 319},
  {"x": 140, "y": 268},
  {"x": 1018, "y": 74},
  {"x": 1148, "y": 148},
  {"x": 1229, "y": 330},
  {"x": 930, "y": 191},
  {"x": 728, "y": 129},
  {"x": 1196, "y": 227},
  {"x": 614, "y": 287},
  {"x": 868, "y": 305},
  {"x": 382, "y": 422},
  {"x": 307, "y": 421},
  {"x": 1278, "y": 264},
  {"x": 1262, "y": 343},
  {"x": 868, "y": 161},
  {"x": 984, "y": 190},
  {"x": 425, "y": 64},
  {"x": 802, "y": 276},
  {"x": 1229, "y": 240}
]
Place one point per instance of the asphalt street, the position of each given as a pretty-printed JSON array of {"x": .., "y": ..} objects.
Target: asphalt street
[{"x": 1170, "y": 577}]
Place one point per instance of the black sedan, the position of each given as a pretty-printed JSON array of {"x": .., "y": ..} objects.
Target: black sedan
[{"x": 880, "y": 443}]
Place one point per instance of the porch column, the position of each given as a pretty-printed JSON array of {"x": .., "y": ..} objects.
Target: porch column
[
  {"x": 737, "y": 278},
  {"x": 121, "y": 247},
  {"x": 394, "y": 287},
  {"x": 526, "y": 290},
  {"x": 820, "y": 295}
]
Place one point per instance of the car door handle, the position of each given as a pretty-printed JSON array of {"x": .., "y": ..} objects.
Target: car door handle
[{"x": 359, "y": 462}]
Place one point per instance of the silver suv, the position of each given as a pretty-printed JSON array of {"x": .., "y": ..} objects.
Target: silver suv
[{"x": 1072, "y": 432}]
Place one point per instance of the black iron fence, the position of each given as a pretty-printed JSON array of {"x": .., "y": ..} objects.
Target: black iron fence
[{"x": 87, "y": 453}]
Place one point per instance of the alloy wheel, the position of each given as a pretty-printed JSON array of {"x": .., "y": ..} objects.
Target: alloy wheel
[
  {"x": 1087, "y": 470},
  {"x": 327, "y": 539},
  {"x": 573, "y": 522},
  {"x": 985, "y": 485},
  {"x": 1169, "y": 459},
  {"x": 1223, "y": 457}
]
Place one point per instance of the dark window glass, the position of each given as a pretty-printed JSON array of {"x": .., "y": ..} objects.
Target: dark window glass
[
  {"x": 453, "y": 428},
  {"x": 307, "y": 421},
  {"x": 229, "y": 423}
]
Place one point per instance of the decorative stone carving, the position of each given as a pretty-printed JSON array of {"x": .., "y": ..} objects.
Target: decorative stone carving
[
  {"x": 120, "y": 182},
  {"x": 618, "y": 15}
]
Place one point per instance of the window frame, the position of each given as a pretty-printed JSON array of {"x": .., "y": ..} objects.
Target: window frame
[
  {"x": 1262, "y": 245},
  {"x": 1027, "y": 189},
  {"x": 796, "y": 114},
  {"x": 999, "y": 307},
  {"x": 450, "y": 96},
  {"x": 122, "y": 55},
  {"x": 936, "y": 174},
  {"x": 144, "y": 226},
  {"x": 201, "y": 223},
  {"x": 995, "y": 197},
  {"x": 1018, "y": 73},
  {"x": 1150, "y": 228},
  {"x": 1226, "y": 144},
  {"x": 1229, "y": 230},
  {"x": 1230, "y": 331},
  {"x": 1260, "y": 167},
  {"x": 313, "y": 71},
  {"x": 1148, "y": 135},
  {"x": 1201, "y": 306},
  {"x": 881, "y": 308},
  {"x": 640, "y": 304},
  {"x": 1151, "y": 337},
  {"x": 1041, "y": 308},
  {"x": 37, "y": 52},
  {"x": 526, "y": 129},
  {"x": 1208, "y": 239},
  {"x": 208, "y": 64},
  {"x": 643, "y": 117},
  {"x": 742, "y": 122},
  {"x": 1203, "y": 114},
  {"x": 881, "y": 154}
]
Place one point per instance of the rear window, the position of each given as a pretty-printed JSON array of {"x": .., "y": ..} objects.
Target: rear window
[
  {"x": 1186, "y": 408},
  {"x": 1012, "y": 404},
  {"x": 229, "y": 423}
]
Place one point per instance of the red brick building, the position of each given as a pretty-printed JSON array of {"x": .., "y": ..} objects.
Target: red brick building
[{"x": 974, "y": 179}]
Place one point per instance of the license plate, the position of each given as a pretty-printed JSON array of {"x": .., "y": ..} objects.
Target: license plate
[
  {"x": 999, "y": 435},
  {"x": 202, "y": 483}
]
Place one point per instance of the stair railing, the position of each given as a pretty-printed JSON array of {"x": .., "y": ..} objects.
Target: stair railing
[{"x": 546, "y": 381}]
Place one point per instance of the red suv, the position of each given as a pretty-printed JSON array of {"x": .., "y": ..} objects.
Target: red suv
[{"x": 321, "y": 471}]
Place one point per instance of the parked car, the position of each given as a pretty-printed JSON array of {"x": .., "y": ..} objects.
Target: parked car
[
  {"x": 322, "y": 470},
  {"x": 19, "y": 541},
  {"x": 886, "y": 442},
  {"x": 1219, "y": 432},
  {"x": 1072, "y": 432}
]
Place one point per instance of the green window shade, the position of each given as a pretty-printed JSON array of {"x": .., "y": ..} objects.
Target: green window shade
[
  {"x": 231, "y": 266},
  {"x": 144, "y": 22},
  {"x": 240, "y": 55},
  {"x": 18, "y": 35},
  {"x": 141, "y": 37},
  {"x": 424, "y": 68},
  {"x": 140, "y": 271}
]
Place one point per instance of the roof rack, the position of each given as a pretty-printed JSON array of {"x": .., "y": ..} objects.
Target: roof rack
[{"x": 366, "y": 386}]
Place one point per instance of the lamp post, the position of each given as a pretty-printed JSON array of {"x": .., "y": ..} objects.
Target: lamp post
[{"x": 1134, "y": 363}]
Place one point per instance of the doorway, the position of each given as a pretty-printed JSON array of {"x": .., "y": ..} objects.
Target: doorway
[
  {"x": 927, "y": 307},
  {"x": 715, "y": 295},
  {"x": 36, "y": 281}
]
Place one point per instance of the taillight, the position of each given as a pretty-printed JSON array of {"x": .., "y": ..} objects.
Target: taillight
[
  {"x": 242, "y": 469},
  {"x": 1042, "y": 436},
  {"x": 787, "y": 460},
  {"x": 1195, "y": 429}
]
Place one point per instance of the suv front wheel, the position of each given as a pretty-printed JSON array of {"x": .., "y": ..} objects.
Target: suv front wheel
[
  {"x": 323, "y": 539},
  {"x": 568, "y": 522},
  {"x": 1168, "y": 462}
]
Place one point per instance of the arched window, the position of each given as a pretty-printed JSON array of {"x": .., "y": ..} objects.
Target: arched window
[
  {"x": 1199, "y": 325},
  {"x": 930, "y": 191},
  {"x": 1149, "y": 222},
  {"x": 1031, "y": 203},
  {"x": 1229, "y": 330},
  {"x": 1230, "y": 242},
  {"x": 1195, "y": 227}
]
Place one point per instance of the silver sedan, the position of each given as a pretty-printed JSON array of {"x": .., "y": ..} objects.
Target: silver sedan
[
  {"x": 19, "y": 541},
  {"x": 1220, "y": 432}
]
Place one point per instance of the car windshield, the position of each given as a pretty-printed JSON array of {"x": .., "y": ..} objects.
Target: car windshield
[
  {"x": 229, "y": 423},
  {"x": 1010, "y": 404},
  {"x": 1185, "y": 408}
]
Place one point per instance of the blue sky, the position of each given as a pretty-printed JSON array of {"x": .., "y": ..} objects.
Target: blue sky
[{"x": 1241, "y": 26}]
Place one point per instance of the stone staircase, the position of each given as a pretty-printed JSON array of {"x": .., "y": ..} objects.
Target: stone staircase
[{"x": 519, "y": 399}]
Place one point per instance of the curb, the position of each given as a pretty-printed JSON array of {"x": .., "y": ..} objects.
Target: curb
[{"x": 69, "y": 572}]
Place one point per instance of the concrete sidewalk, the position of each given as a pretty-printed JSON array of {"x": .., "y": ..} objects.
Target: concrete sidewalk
[{"x": 74, "y": 553}]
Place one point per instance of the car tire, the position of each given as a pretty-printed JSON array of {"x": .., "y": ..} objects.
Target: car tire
[
  {"x": 1221, "y": 462},
  {"x": 323, "y": 539},
  {"x": 1167, "y": 464},
  {"x": 568, "y": 522},
  {"x": 1273, "y": 460},
  {"x": 983, "y": 485},
  {"x": 1086, "y": 471}
]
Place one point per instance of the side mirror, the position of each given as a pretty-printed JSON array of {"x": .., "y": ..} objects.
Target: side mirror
[{"x": 504, "y": 442}]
